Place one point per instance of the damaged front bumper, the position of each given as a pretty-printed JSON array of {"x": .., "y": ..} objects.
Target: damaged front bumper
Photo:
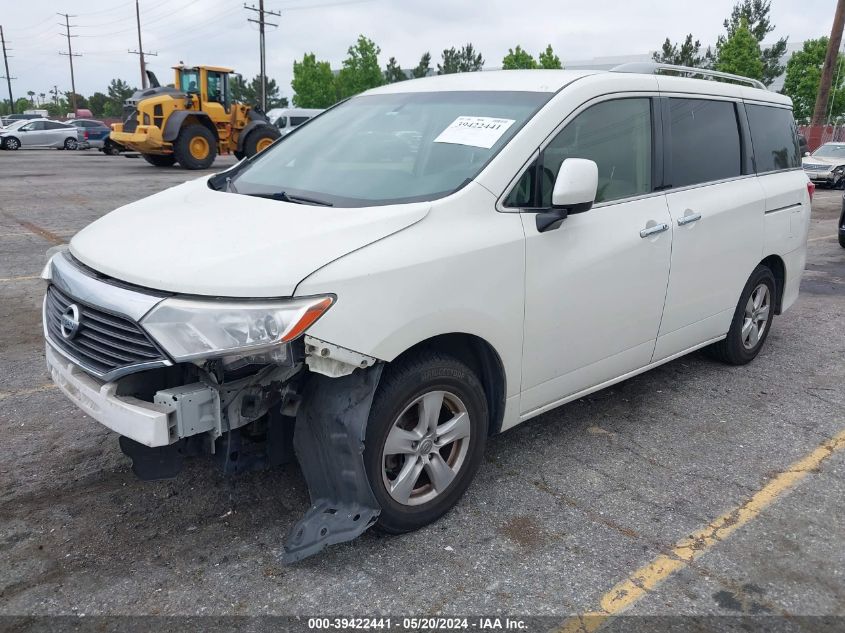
[{"x": 313, "y": 401}]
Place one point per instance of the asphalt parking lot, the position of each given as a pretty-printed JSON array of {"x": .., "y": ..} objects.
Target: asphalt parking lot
[{"x": 695, "y": 489}]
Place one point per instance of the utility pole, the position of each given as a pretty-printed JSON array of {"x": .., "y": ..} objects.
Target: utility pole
[
  {"x": 8, "y": 77},
  {"x": 140, "y": 52},
  {"x": 829, "y": 64},
  {"x": 261, "y": 23},
  {"x": 70, "y": 55}
]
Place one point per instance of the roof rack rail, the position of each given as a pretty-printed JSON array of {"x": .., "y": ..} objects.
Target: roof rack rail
[{"x": 656, "y": 68}]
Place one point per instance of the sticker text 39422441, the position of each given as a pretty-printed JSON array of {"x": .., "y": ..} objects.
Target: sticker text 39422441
[{"x": 477, "y": 131}]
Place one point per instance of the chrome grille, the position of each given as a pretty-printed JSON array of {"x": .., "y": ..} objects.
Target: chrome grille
[
  {"x": 104, "y": 343},
  {"x": 815, "y": 167}
]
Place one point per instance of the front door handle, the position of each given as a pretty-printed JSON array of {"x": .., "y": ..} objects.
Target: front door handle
[
  {"x": 652, "y": 230},
  {"x": 689, "y": 218}
]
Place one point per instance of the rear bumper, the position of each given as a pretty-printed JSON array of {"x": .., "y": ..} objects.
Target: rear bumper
[
  {"x": 145, "y": 422},
  {"x": 145, "y": 138}
]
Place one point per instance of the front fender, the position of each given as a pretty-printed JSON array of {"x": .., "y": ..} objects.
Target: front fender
[{"x": 175, "y": 120}]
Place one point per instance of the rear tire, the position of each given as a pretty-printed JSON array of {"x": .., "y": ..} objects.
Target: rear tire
[
  {"x": 195, "y": 147},
  {"x": 431, "y": 449},
  {"x": 160, "y": 160},
  {"x": 71, "y": 144},
  {"x": 752, "y": 320},
  {"x": 260, "y": 139}
]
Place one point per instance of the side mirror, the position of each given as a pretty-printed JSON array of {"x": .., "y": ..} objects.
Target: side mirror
[
  {"x": 806, "y": 153},
  {"x": 575, "y": 191}
]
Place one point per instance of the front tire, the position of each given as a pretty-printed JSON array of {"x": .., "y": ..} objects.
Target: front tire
[
  {"x": 11, "y": 143},
  {"x": 71, "y": 144},
  {"x": 195, "y": 147},
  {"x": 260, "y": 139},
  {"x": 425, "y": 439},
  {"x": 752, "y": 320},
  {"x": 160, "y": 160}
]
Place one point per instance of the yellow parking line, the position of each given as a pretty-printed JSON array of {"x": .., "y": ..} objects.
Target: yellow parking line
[
  {"x": 24, "y": 278},
  {"x": 826, "y": 237},
  {"x": 27, "y": 392},
  {"x": 646, "y": 578}
]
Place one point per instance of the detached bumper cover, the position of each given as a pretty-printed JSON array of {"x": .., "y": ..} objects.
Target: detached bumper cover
[{"x": 144, "y": 422}]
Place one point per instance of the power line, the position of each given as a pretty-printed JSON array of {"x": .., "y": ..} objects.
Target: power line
[
  {"x": 70, "y": 55},
  {"x": 8, "y": 77},
  {"x": 261, "y": 23}
]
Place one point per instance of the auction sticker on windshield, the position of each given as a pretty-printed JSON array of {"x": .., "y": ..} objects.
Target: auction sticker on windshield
[{"x": 478, "y": 131}]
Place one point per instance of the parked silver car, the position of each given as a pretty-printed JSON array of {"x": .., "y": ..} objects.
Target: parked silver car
[
  {"x": 826, "y": 166},
  {"x": 41, "y": 133}
]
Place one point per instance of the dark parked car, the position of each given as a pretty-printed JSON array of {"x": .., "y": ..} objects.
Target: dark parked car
[
  {"x": 96, "y": 135},
  {"x": 11, "y": 118},
  {"x": 842, "y": 225}
]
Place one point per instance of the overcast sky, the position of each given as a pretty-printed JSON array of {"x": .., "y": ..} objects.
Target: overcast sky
[{"x": 217, "y": 32}]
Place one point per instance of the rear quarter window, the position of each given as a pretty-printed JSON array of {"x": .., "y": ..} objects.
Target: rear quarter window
[{"x": 774, "y": 137}]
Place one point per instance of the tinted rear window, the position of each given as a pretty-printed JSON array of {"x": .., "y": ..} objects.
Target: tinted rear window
[
  {"x": 298, "y": 120},
  {"x": 775, "y": 138},
  {"x": 705, "y": 141}
]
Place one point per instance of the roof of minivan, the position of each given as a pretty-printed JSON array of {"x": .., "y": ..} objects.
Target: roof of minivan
[
  {"x": 554, "y": 80},
  {"x": 504, "y": 80}
]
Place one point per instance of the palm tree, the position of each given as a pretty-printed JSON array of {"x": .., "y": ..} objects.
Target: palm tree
[
  {"x": 42, "y": 97},
  {"x": 31, "y": 94}
]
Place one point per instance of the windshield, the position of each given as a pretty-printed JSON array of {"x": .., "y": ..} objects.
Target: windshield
[
  {"x": 189, "y": 81},
  {"x": 384, "y": 149},
  {"x": 830, "y": 151}
]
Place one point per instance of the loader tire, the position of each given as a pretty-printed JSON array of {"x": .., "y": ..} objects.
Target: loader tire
[
  {"x": 195, "y": 147},
  {"x": 160, "y": 160},
  {"x": 260, "y": 139}
]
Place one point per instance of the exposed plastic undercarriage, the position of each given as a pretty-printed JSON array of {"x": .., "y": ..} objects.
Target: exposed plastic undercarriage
[{"x": 313, "y": 406}]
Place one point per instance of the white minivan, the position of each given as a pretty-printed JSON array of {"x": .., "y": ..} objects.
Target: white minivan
[{"x": 424, "y": 265}]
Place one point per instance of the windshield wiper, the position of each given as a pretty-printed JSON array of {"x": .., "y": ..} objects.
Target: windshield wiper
[{"x": 284, "y": 197}]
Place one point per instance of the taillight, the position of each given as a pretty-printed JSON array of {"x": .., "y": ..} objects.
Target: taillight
[
  {"x": 811, "y": 189},
  {"x": 86, "y": 135}
]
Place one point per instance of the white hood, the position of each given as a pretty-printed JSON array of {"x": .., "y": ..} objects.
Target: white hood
[{"x": 192, "y": 239}]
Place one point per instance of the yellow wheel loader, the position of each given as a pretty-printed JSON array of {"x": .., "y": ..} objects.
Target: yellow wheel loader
[{"x": 193, "y": 121}]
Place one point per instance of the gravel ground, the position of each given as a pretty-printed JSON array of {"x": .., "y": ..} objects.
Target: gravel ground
[{"x": 563, "y": 508}]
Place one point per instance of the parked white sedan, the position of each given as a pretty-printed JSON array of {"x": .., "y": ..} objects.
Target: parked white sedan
[{"x": 40, "y": 133}]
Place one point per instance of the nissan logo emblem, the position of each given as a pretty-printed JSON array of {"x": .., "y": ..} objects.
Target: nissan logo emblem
[{"x": 70, "y": 321}]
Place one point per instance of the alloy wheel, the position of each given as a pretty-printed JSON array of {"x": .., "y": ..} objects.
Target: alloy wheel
[
  {"x": 756, "y": 316},
  {"x": 425, "y": 448}
]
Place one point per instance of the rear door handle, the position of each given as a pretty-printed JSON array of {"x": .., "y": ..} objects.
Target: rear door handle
[
  {"x": 652, "y": 230},
  {"x": 688, "y": 219}
]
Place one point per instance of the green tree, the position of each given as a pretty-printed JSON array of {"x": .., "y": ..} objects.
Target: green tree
[
  {"x": 518, "y": 59},
  {"x": 756, "y": 15},
  {"x": 549, "y": 60},
  {"x": 393, "y": 72},
  {"x": 81, "y": 102},
  {"x": 118, "y": 92},
  {"x": 250, "y": 93},
  {"x": 97, "y": 104},
  {"x": 361, "y": 70},
  {"x": 313, "y": 83},
  {"x": 740, "y": 54},
  {"x": 21, "y": 104},
  {"x": 424, "y": 67},
  {"x": 687, "y": 53},
  {"x": 803, "y": 73},
  {"x": 31, "y": 95},
  {"x": 463, "y": 60}
]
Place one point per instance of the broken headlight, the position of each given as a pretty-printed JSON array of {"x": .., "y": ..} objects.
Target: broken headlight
[{"x": 191, "y": 329}]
